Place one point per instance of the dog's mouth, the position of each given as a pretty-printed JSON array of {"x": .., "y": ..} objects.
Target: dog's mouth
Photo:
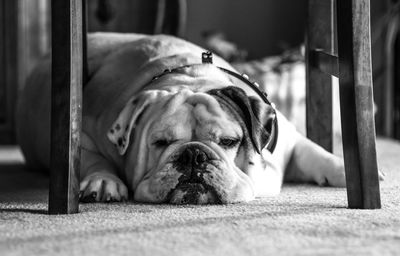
[
  {"x": 193, "y": 162},
  {"x": 193, "y": 191}
]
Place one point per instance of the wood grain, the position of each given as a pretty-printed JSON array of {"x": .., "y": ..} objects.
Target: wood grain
[
  {"x": 320, "y": 35},
  {"x": 9, "y": 69},
  {"x": 356, "y": 97},
  {"x": 327, "y": 63},
  {"x": 392, "y": 31},
  {"x": 85, "y": 63},
  {"x": 67, "y": 71},
  {"x": 2, "y": 63}
]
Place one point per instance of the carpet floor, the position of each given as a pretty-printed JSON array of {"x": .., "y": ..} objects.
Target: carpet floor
[{"x": 302, "y": 220}]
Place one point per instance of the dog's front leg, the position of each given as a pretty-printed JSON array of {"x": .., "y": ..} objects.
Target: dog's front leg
[
  {"x": 311, "y": 163},
  {"x": 99, "y": 179}
]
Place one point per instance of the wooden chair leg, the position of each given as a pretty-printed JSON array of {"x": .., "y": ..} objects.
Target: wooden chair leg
[
  {"x": 356, "y": 101},
  {"x": 66, "y": 98},
  {"x": 320, "y": 34},
  {"x": 393, "y": 29},
  {"x": 9, "y": 72}
]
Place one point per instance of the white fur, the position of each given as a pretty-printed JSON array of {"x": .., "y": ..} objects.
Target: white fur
[{"x": 119, "y": 67}]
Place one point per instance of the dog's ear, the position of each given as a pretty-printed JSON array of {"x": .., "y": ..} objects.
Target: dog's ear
[
  {"x": 120, "y": 132},
  {"x": 257, "y": 116}
]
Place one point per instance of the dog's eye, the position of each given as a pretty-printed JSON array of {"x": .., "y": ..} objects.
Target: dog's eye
[
  {"x": 161, "y": 143},
  {"x": 228, "y": 142}
]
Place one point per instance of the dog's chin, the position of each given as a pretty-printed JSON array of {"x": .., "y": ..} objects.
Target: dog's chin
[{"x": 193, "y": 193}]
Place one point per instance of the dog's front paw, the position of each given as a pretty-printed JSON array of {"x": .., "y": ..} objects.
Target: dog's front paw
[
  {"x": 381, "y": 175},
  {"x": 102, "y": 187},
  {"x": 337, "y": 178},
  {"x": 333, "y": 176}
]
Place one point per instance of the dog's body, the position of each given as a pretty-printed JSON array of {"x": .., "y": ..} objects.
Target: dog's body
[{"x": 181, "y": 138}]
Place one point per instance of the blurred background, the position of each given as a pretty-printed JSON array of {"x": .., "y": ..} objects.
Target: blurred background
[{"x": 245, "y": 30}]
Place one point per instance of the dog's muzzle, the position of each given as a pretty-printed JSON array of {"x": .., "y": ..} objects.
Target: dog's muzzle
[{"x": 192, "y": 162}]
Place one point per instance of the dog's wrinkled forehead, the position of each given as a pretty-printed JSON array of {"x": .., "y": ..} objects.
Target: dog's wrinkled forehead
[{"x": 199, "y": 112}]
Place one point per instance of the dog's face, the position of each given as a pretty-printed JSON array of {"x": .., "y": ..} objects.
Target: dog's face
[{"x": 192, "y": 147}]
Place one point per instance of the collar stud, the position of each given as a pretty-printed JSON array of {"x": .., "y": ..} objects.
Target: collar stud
[{"x": 207, "y": 57}]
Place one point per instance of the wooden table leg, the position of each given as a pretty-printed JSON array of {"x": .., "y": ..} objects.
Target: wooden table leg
[
  {"x": 9, "y": 72},
  {"x": 66, "y": 98},
  {"x": 320, "y": 35},
  {"x": 356, "y": 98}
]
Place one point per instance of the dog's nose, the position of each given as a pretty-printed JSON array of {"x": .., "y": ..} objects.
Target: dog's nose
[{"x": 193, "y": 156}]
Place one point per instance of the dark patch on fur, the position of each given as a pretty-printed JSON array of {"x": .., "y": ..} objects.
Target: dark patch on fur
[
  {"x": 192, "y": 183},
  {"x": 192, "y": 192},
  {"x": 257, "y": 116},
  {"x": 135, "y": 101},
  {"x": 121, "y": 141}
]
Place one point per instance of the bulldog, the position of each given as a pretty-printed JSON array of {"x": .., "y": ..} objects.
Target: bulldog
[{"x": 165, "y": 122}]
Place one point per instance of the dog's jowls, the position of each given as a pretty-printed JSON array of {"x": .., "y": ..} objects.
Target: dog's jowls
[{"x": 182, "y": 138}]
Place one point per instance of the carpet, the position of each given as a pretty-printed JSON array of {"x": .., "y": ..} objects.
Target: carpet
[{"x": 303, "y": 220}]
